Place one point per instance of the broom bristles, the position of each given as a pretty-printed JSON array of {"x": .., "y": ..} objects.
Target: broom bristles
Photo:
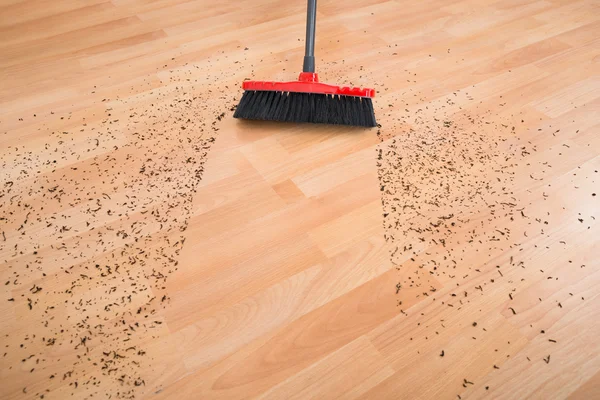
[{"x": 306, "y": 107}]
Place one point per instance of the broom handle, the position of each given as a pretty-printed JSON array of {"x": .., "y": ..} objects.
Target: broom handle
[{"x": 311, "y": 22}]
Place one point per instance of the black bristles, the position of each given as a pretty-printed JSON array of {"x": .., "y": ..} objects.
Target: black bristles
[{"x": 306, "y": 107}]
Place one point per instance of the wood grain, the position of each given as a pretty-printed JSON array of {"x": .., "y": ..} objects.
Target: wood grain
[{"x": 265, "y": 244}]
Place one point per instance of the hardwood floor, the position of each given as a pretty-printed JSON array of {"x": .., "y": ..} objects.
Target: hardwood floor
[{"x": 154, "y": 247}]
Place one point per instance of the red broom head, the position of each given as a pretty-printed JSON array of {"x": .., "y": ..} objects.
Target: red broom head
[
  {"x": 306, "y": 100},
  {"x": 308, "y": 82}
]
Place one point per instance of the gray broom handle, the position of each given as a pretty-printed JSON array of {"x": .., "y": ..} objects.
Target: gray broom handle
[{"x": 311, "y": 21}]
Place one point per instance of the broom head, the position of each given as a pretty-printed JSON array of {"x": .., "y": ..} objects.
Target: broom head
[{"x": 306, "y": 100}]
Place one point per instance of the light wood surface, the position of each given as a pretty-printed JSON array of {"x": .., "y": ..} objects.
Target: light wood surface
[{"x": 154, "y": 247}]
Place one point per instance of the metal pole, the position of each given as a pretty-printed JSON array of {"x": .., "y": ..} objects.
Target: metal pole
[{"x": 311, "y": 21}]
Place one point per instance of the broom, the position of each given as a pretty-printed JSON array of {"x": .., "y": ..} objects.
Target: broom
[{"x": 307, "y": 100}]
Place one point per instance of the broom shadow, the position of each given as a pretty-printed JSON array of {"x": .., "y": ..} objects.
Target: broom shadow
[{"x": 249, "y": 129}]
